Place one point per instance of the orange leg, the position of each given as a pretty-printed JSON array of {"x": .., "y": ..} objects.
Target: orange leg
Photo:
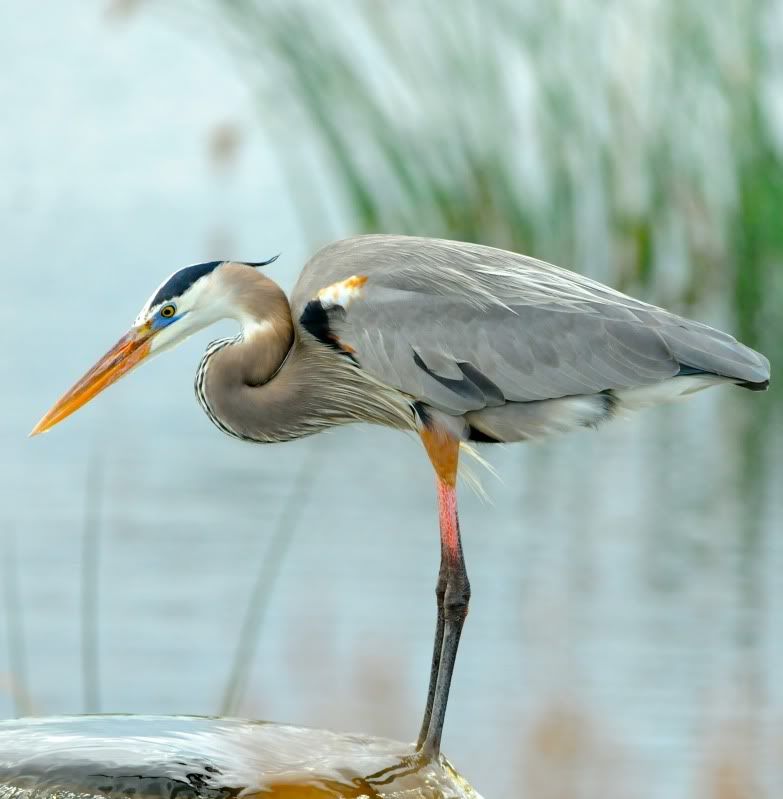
[{"x": 452, "y": 592}]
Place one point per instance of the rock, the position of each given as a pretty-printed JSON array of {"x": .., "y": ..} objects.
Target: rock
[{"x": 184, "y": 757}]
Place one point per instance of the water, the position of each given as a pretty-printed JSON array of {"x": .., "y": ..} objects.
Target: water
[
  {"x": 171, "y": 757},
  {"x": 624, "y": 635}
]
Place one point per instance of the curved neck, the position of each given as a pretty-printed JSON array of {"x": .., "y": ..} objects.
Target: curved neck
[
  {"x": 235, "y": 380},
  {"x": 261, "y": 308},
  {"x": 267, "y": 337},
  {"x": 275, "y": 382}
]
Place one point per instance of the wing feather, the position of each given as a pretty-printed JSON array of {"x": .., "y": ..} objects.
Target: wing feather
[{"x": 464, "y": 327}]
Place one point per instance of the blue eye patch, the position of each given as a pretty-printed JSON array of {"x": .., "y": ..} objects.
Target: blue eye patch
[{"x": 159, "y": 322}]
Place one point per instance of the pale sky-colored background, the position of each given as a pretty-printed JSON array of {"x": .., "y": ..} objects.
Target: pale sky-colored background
[{"x": 642, "y": 615}]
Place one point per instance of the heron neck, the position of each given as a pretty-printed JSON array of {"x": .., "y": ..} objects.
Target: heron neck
[
  {"x": 267, "y": 333},
  {"x": 275, "y": 382},
  {"x": 238, "y": 380}
]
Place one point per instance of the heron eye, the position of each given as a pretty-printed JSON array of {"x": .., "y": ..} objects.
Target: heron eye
[{"x": 167, "y": 311}]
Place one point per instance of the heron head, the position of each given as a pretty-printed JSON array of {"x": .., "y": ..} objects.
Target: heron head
[{"x": 186, "y": 302}]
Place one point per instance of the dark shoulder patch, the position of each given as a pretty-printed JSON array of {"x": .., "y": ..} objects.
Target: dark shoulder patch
[
  {"x": 315, "y": 320},
  {"x": 182, "y": 280}
]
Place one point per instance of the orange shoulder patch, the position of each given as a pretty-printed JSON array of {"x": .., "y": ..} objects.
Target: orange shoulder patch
[{"x": 342, "y": 293}]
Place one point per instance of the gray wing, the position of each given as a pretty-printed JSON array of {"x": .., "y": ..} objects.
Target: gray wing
[{"x": 464, "y": 327}]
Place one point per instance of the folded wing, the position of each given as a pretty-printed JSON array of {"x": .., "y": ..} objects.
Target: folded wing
[{"x": 464, "y": 327}]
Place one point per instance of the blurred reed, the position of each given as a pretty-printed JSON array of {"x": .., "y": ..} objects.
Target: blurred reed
[
  {"x": 18, "y": 683},
  {"x": 636, "y": 141},
  {"x": 90, "y": 571},
  {"x": 271, "y": 566}
]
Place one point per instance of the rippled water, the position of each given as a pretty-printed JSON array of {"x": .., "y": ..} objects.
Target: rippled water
[
  {"x": 625, "y": 634},
  {"x": 170, "y": 757}
]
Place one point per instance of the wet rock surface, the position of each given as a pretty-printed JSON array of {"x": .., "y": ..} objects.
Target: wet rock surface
[{"x": 184, "y": 757}]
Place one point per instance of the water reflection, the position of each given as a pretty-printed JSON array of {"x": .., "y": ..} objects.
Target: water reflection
[{"x": 183, "y": 757}]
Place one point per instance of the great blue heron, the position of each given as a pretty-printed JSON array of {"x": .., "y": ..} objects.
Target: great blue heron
[{"x": 458, "y": 342}]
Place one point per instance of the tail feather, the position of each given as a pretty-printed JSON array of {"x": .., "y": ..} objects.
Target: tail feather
[{"x": 762, "y": 385}]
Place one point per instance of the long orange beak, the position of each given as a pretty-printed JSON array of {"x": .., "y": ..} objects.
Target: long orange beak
[{"x": 128, "y": 352}]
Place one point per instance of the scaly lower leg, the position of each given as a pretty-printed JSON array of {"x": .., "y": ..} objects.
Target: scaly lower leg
[
  {"x": 440, "y": 594},
  {"x": 453, "y": 592}
]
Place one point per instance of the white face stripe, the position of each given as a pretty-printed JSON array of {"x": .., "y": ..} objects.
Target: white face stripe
[
  {"x": 208, "y": 299},
  {"x": 199, "y": 306},
  {"x": 146, "y": 311},
  {"x": 182, "y": 300}
]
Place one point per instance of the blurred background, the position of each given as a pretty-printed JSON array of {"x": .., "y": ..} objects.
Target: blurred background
[{"x": 626, "y": 632}]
